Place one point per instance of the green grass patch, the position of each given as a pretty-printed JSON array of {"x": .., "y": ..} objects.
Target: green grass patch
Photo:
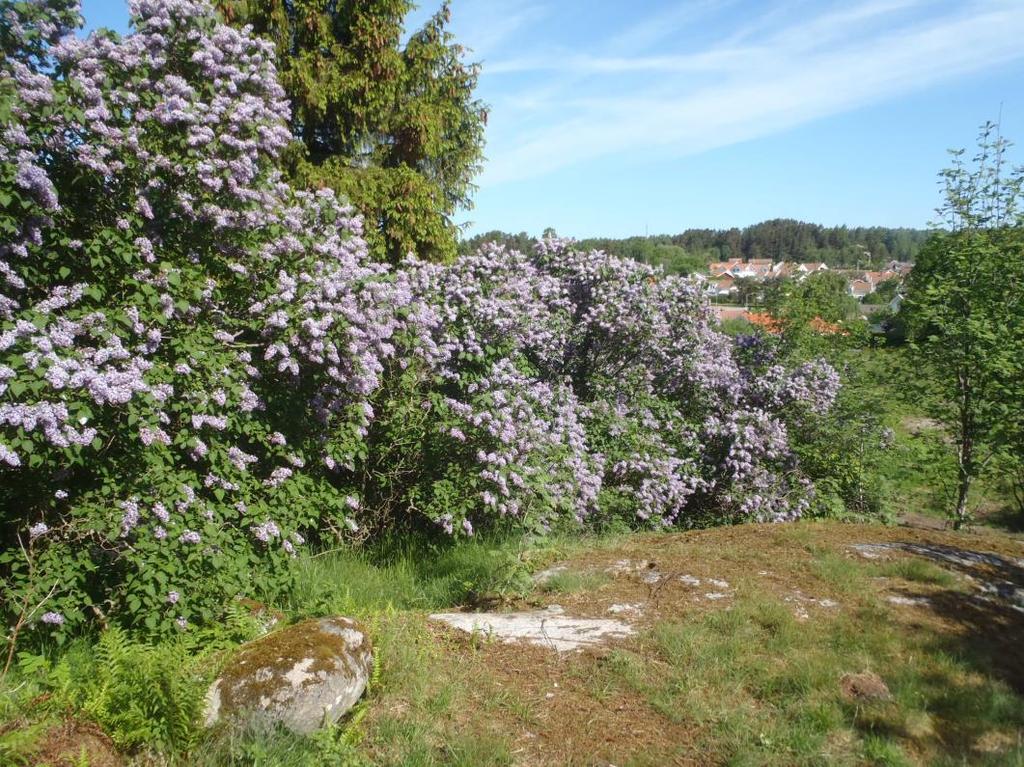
[
  {"x": 364, "y": 581},
  {"x": 916, "y": 570},
  {"x": 572, "y": 581},
  {"x": 842, "y": 574},
  {"x": 764, "y": 688}
]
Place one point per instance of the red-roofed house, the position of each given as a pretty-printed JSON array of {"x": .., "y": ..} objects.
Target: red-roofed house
[
  {"x": 723, "y": 286},
  {"x": 860, "y": 287},
  {"x": 722, "y": 268}
]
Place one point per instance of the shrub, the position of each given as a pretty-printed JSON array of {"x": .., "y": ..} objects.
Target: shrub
[
  {"x": 564, "y": 383},
  {"x": 201, "y": 369},
  {"x": 186, "y": 344}
]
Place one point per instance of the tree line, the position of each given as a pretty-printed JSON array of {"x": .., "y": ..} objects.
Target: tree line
[{"x": 779, "y": 239}]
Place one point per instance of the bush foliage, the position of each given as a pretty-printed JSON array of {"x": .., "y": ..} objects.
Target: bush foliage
[{"x": 202, "y": 370}]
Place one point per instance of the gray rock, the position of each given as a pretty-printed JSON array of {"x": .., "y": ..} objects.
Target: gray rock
[
  {"x": 548, "y": 628},
  {"x": 304, "y": 676},
  {"x": 546, "y": 575}
]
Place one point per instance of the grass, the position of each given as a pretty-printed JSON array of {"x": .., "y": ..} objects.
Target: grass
[
  {"x": 741, "y": 681},
  {"x": 571, "y": 581},
  {"x": 763, "y": 688},
  {"x": 917, "y": 571},
  {"x": 407, "y": 578}
]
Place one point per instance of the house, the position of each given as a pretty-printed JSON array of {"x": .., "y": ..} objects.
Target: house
[
  {"x": 723, "y": 286},
  {"x": 860, "y": 287},
  {"x": 722, "y": 268},
  {"x": 785, "y": 269}
]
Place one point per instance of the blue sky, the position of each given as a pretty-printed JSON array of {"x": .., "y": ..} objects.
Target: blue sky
[{"x": 619, "y": 118}]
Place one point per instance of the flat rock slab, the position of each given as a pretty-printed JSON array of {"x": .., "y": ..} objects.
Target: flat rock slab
[
  {"x": 303, "y": 676},
  {"x": 1001, "y": 589},
  {"x": 951, "y": 554},
  {"x": 547, "y": 628}
]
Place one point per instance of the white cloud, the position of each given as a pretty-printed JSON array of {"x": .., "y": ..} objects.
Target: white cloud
[{"x": 579, "y": 107}]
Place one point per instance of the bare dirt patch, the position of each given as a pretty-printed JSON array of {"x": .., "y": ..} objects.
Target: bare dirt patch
[
  {"x": 569, "y": 722},
  {"x": 73, "y": 743},
  {"x": 865, "y": 686}
]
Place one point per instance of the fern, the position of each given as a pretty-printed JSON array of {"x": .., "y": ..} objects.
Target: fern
[{"x": 139, "y": 694}]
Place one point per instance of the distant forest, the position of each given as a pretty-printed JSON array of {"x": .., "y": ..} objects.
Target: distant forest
[{"x": 780, "y": 239}]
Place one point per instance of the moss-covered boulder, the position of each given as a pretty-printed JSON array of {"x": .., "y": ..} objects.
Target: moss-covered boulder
[{"x": 304, "y": 676}]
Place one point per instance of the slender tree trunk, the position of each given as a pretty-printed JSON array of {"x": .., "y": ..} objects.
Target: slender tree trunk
[
  {"x": 965, "y": 452},
  {"x": 963, "y": 489}
]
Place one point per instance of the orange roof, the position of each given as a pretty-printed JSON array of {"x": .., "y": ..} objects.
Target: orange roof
[
  {"x": 764, "y": 320},
  {"x": 825, "y": 328},
  {"x": 774, "y": 325}
]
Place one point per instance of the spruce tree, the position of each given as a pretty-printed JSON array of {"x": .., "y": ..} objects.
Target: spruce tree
[{"x": 392, "y": 124}]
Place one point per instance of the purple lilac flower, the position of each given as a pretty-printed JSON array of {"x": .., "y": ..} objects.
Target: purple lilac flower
[
  {"x": 130, "y": 518},
  {"x": 52, "y": 619}
]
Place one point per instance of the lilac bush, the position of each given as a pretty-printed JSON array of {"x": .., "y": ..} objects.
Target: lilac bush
[
  {"x": 574, "y": 385},
  {"x": 202, "y": 372},
  {"x": 187, "y": 345}
]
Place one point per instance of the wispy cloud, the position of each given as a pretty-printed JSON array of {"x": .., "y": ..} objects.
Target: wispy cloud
[
  {"x": 656, "y": 27},
  {"x": 561, "y": 107},
  {"x": 488, "y": 26}
]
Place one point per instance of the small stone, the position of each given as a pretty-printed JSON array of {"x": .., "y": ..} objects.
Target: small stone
[
  {"x": 864, "y": 686},
  {"x": 689, "y": 580},
  {"x": 303, "y": 676}
]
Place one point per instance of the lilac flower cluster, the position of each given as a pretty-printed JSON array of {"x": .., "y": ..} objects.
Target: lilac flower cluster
[{"x": 146, "y": 308}]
